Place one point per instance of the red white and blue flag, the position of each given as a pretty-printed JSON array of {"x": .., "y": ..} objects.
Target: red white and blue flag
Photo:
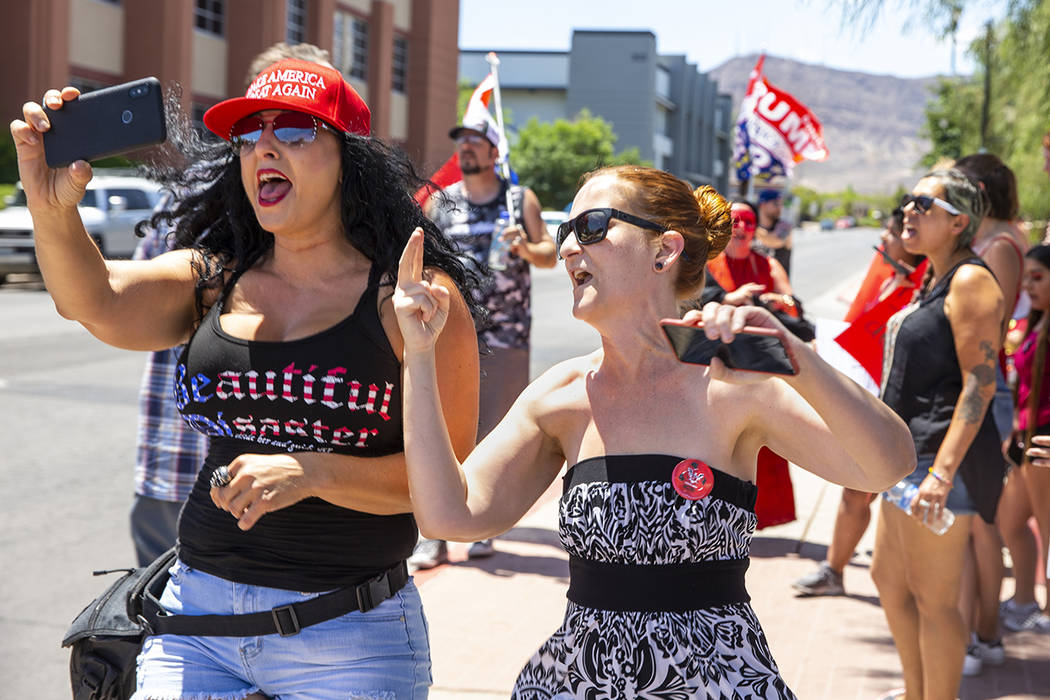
[
  {"x": 773, "y": 131},
  {"x": 477, "y": 112}
]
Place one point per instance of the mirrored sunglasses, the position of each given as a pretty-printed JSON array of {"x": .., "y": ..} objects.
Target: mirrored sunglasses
[
  {"x": 592, "y": 225},
  {"x": 923, "y": 203},
  {"x": 290, "y": 128},
  {"x": 473, "y": 139}
]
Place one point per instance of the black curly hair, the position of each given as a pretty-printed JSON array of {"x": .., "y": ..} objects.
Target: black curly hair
[{"x": 212, "y": 215}]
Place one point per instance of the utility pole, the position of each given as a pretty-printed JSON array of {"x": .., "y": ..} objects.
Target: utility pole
[{"x": 987, "y": 85}]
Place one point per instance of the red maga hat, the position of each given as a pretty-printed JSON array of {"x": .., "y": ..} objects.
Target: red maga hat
[{"x": 302, "y": 86}]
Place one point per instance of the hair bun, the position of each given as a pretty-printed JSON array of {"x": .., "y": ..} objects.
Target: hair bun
[{"x": 715, "y": 217}]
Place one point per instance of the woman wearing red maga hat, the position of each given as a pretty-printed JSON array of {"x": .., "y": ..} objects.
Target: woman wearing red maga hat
[{"x": 295, "y": 536}]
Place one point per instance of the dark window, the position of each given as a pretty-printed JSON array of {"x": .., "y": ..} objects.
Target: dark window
[
  {"x": 350, "y": 45},
  {"x": 136, "y": 199},
  {"x": 210, "y": 15},
  {"x": 400, "y": 67},
  {"x": 295, "y": 26},
  {"x": 89, "y": 199}
]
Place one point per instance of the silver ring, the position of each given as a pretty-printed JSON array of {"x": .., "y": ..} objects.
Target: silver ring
[
  {"x": 924, "y": 503},
  {"x": 221, "y": 476}
]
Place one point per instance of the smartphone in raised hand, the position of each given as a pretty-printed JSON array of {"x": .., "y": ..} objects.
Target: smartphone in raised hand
[
  {"x": 753, "y": 349},
  {"x": 106, "y": 122}
]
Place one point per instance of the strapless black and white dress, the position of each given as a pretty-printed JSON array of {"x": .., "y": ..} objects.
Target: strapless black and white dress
[{"x": 657, "y": 605}]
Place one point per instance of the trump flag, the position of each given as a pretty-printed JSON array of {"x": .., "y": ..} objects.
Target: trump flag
[{"x": 773, "y": 131}]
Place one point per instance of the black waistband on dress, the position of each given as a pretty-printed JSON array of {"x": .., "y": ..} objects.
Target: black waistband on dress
[
  {"x": 657, "y": 587},
  {"x": 632, "y": 469}
]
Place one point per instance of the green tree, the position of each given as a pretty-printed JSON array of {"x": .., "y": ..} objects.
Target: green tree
[
  {"x": 1016, "y": 66},
  {"x": 550, "y": 157}
]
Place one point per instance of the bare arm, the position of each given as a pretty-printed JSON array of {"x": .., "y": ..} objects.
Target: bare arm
[
  {"x": 818, "y": 418},
  {"x": 511, "y": 467},
  {"x": 781, "y": 284},
  {"x": 536, "y": 246},
  {"x": 142, "y": 305},
  {"x": 1006, "y": 265},
  {"x": 264, "y": 483}
]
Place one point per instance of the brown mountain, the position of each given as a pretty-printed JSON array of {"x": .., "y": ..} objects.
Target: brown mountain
[{"x": 871, "y": 122}]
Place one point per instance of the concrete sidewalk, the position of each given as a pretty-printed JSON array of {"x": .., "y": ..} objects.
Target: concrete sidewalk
[{"x": 487, "y": 617}]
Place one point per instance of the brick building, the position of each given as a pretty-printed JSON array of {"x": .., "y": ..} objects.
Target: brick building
[{"x": 401, "y": 55}]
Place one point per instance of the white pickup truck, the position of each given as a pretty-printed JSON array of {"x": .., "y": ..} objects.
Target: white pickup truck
[{"x": 111, "y": 207}]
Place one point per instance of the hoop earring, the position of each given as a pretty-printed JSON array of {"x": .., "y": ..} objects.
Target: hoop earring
[{"x": 659, "y": 266}]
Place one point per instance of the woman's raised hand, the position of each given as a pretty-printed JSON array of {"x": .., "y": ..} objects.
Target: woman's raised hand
[
  {"x": 725, "y": 321},
  {"x": 421, "y": 306},
  {"x": 46, "y": 187}
]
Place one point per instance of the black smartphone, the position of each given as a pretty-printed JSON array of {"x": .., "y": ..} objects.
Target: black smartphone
[
  {"x": 753, "y": 349},
  {"x": 895, "y": 264},
  {"x": 106, "y": 122}
]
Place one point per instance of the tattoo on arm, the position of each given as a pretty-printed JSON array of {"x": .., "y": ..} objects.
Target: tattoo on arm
[{"x": 980, "y": 377}]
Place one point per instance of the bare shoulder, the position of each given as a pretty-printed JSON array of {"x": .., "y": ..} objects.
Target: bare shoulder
[{"x": 972, "y": 279}]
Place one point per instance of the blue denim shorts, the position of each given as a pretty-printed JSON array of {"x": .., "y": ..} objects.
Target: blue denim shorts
[
  {"x": 959, "y": 501},
  {"x": 1002, "y": 406},
  {"x": 383, "y": 654}
]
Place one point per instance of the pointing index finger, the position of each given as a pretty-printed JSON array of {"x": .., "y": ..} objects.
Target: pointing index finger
[{"x": 410, "y": 268}]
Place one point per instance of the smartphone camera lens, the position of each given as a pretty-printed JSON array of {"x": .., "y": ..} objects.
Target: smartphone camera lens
[{"x": 126, "y": 116}]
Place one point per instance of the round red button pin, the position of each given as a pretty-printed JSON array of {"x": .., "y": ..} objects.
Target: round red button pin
[{"x": 692, "y": 479}]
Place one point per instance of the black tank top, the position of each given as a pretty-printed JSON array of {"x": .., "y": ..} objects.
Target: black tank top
[
  {"x": 336, "y": 391},
  {"x": 921, "y": 381}
]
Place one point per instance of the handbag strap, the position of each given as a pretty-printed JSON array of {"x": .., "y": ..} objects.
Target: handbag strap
[{"x": 285, "y": 620}]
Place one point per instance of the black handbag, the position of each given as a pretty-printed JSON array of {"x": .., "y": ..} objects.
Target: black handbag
[{"x": 106, "y": 637}]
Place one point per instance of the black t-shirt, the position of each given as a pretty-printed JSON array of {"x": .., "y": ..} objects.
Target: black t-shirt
[{"x": 337, "y": 391}]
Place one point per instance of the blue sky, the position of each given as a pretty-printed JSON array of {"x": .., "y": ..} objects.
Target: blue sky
[{"x": 712, "y": 31}]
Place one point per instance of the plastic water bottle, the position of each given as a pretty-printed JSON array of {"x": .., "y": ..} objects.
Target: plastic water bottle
[
  {"x": 903, "y": 494},
  {"x": 499, "y": 249}
]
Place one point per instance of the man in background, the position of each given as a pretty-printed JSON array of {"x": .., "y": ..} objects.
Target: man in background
[
  {"x": 773, "y": 235},
  {"x": 467, "y": 214}
]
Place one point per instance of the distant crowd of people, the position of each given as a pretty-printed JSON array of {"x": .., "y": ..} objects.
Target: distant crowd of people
[{"x": 336, "y": 370}]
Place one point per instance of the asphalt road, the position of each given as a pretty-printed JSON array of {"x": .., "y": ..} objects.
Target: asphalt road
[{"x": 67, "y": 434}]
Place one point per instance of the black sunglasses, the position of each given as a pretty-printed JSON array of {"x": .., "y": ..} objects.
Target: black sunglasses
[
  {"x": 290, "y": 128},
  {"x": 592, "y": 225},
  {"x": 923, "y": 203}
]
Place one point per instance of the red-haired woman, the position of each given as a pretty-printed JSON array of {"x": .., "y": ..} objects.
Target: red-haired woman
[{"x": 657, "y": 507}]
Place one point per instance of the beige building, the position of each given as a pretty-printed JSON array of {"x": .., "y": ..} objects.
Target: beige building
[{"x": 401, "y": 55}]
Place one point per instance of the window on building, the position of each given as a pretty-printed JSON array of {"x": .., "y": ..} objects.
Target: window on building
[
  {"x": 210, "y": 16},
  {"x": 400, "y": 68},
  {"x": 663, "y": 82},
  {"x": 295, "y": 25},
  {"x": 350, "y": 45}
]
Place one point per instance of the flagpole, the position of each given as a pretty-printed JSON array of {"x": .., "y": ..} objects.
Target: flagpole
[{"x": 504, "y": 147}]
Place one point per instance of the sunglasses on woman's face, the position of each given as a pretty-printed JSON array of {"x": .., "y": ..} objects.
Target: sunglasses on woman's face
[
  {"x": 592, "y": 225},
  {"x": 923, "y": 203},
  {"x": 290, "y": 128}
]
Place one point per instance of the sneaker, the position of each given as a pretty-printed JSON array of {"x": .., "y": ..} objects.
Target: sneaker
[
  {"x": 823, "y": 581},
  {"x": 972, "y": 662},
  {"x": 428, "y": 554},
  {"x": 481, "y": 549},
  {"x": 980, "y": 652},
  {"x": 1017, "y": 618}
]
